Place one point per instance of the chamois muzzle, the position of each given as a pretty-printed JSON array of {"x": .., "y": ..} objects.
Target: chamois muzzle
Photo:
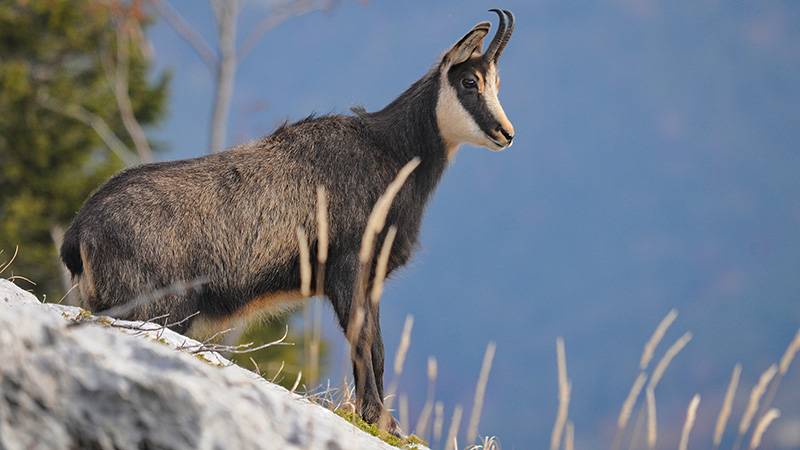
[{"x": 503, "y": 35}]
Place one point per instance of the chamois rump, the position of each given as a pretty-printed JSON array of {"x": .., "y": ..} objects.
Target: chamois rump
[{"x": 230, "y": 218}]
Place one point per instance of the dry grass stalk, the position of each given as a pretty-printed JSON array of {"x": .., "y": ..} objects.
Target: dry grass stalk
[
  {"x": 305, "y": 290},
  {"x": 727, "y": 405},
  {"x": 790, "y": 353},
  {"x": 322, "y": 225},
  {"x": 354, "y": 328},
  {"x": 569, "y": 438},
  {"x": 652, "y": 420},
  {"x": 425, "y": 416},
  {"x": 783, "y": 368},
  {"x": 11, "y": 261},
  {"x": 375, "y": 224},
  {"x": 404, "y": 420},
  {"x": 755, "y": 398},
  {"x": 381, "y": 266},
  {"x": 563, "y": 395},
  {"x": 762, "y": 426},
  {"x": 630, "y": 401},
  {"x": 68, "y": 292},
  {"x": 655, "y": 339},
  {"x": 636, "y": 432},
  {"x": 315, "y": 316},
  {"x": 691, "y": 415},
  {"x": 669, "y": 355},
  {"x": 297, "y": 381},
  {"x": 399, "y": 362},
  {"x": 438, "y": 421},
  {"x": 424, "y": 419},
  {"x": 455, "y": 424},
  {"x": 480, "y": 392},
  {"x": 377, "y": 218},
  {"x": 402, "y": 348},
  {"x": 322, "y": 242},
  {"x": 305, "y": 263}
]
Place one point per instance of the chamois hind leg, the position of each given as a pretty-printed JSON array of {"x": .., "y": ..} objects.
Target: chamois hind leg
[
  {"x": 340, "y": 282},
  {"x": 377, "y": 347}
]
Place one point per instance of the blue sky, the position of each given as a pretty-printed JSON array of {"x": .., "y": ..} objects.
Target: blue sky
[{"x": 655, "y": 166}]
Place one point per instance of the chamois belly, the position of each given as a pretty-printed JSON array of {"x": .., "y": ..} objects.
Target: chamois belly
[{"x": 261, "y": 307}]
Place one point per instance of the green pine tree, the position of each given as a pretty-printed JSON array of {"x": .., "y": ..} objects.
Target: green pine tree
[{"x": 58, "y": 62}]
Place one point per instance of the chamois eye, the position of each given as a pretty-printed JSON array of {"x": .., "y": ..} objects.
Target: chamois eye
[{"x": 469, "y": 83}]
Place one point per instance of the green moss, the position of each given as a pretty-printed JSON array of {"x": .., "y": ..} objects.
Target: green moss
[
  {"x": 409, "y": 442},
  {"x": 104, "y": 320},
  {"x": 83, "y": 315},
  {"x": 205, "y": 359}
]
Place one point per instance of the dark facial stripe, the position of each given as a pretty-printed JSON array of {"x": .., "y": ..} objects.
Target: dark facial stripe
[{"x": 473, "y": 100}]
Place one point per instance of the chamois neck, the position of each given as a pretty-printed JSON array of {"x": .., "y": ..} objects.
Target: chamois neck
[{"x": 407, "y": 128}]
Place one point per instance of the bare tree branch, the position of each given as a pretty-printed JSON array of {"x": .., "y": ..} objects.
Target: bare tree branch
[
  {"x": 179, "y": 24},
  {"x": 223, "y": 62},
  {"x": 206, "y": 347},
  {"x": 122, "y": 94},
  {"x": 97, "y": 123},
  {"x": 227, "y": 14},
  {"x": 279, "y": 15}
]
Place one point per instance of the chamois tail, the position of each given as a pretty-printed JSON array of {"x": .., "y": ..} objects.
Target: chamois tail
[{"x": 71, "y": 251}]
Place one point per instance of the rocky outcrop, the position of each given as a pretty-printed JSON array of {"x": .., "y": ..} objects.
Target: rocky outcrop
[{"x": 69, "y": 380}]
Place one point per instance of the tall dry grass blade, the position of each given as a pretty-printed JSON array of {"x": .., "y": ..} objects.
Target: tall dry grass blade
[
  {"x": 425, "y": 416},
  {"x": 691, "y": 416},
  {"x": 480, "y": 392},
  {"x": 297, "y": 381},
  {"x": 563, "y": 395},
  {"x": 627, "y": 409},
  {"x": 655, "y": 339},
  {"x": 322, "y": 224},
  {"x": 424, "y": 420},
  {"x": 438, "y": 421},
  {"x": 382, "y": 265},
  {"x": 727, "y": 406},
  {"x": 569, "y": 438},
  {"x": 652, "y": 419},
  {"x": 630, "y": 401},
  {"x": 355, "y": 325},
  {"x": 322, "y": 238},
  {"x": 10, "y": 261},
  {"x": 405, "y": 423},
  {"x": 636, "y": 431},
  {"x": 402, "y": 348},
  {"x": 455, "y": 424},
  {"x": 375, "y": 224},
  {"x": 669, "y": 355},
  {"x": 305, "y": 263},
  {"x": 755, "y": 398},
  {"x": 762, "y": 426},
  {"x": 316, "y": 339},
  {"x": 783, "y": 368},
  {"x": 377, "y": 218},
  {"x": 788, "y": 356},
  {"x": 305, "y": 290},
  {"x": 68, "y": 292},
  {"x": 399, "y": 362}
]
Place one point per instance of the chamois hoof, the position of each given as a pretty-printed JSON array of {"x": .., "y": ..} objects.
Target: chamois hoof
[{"x": 393, "y": 428}]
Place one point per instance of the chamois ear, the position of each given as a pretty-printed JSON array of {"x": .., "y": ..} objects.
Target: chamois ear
[{"x": 471, "y": 43}]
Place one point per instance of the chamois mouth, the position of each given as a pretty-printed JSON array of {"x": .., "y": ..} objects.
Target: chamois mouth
[{"x": 498, "y": 144}]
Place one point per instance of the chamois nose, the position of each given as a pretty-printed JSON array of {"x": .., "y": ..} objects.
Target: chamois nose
[{"x": 508, "y": 135}]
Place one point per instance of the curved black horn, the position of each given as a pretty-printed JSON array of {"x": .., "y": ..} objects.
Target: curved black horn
[
  {"x": 492, "y": 52},
  {"x": 506, "y": 35}
]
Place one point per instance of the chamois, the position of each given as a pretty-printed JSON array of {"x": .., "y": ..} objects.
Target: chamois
[{"x": 230, "y": 218}]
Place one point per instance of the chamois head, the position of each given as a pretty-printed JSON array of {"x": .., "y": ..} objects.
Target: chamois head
[{"x": 467, "y": 108}]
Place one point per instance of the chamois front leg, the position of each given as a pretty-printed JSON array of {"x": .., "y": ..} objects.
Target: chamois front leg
[{"x": 360, "y": 329}]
